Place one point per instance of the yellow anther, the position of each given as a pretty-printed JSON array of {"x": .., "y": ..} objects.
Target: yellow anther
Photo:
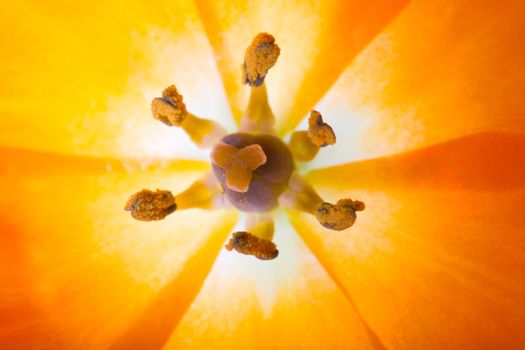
[
  {"x": 248, "y": 244},
  {"x": 319, "y": 132},
  {"x": 147, "y": 205},
  {"x": 302, "y": 148},
  {"x": 339, "y": 216},
  {"x": 238, "y": 163},
  {"x": 170, "y": 109},
  {"x": 260, "y": 56}
]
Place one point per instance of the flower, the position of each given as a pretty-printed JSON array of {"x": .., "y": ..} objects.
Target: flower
[{"x": 428, "y": 95}]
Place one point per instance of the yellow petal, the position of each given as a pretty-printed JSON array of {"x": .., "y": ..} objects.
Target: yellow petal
[
  {"x": 286, "y": 303},
  {"x": 317, "y": 40},
  {"x": 440, "y": 70},
  {"x": 76, "y": 269},
  {"x": 80, "y": 77}
]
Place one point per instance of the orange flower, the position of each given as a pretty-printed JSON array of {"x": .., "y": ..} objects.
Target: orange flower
[{"x": 425, "y": 99}]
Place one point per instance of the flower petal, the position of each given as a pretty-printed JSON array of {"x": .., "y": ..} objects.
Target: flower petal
[
  {"x": 428, "y": 78},
  {"x": 80, "y": 77},
  {"x": 286, "y": 303},
  {"x": 431, "y": 270},
  {"x": 436, "y": 258},
  {"x": 78, "y": 269},
  {"x": 317, "y": 39},
  {"x": 482, "y": 162},
  {"x": 155, "y": 324}
]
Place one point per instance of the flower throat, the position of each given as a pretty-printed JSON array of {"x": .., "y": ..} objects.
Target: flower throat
[{"x": 252, "y": 169}]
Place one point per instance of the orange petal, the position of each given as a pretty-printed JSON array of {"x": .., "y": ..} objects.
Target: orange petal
[
  {"x": 154, "y": 326},
  {"x": 76, "y": 269},
  {"x": 246, "y": 304},
  {"x": 486, "y": 162},
  {"x": 431, "y": 269},
  {"x": 436, "y": 258},
  {"x": 428, "y": 78},
  {"x": 76, "y": 87},
  {"x": 317, "y": 42}
]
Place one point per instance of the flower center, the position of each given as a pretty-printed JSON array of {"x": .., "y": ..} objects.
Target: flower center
[
  {"x": 253, "y": 169},
  {"x": 265, "y": 183}
]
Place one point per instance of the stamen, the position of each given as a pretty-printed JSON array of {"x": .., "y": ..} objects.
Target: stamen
[
  {"x": 203, "y": 132},
  {"x": 248, "y": 244},
  {"x": 260, "y": 56},
  {"x": 238, "y": 163},
  {"x": 339, "y": 216},
  {"x": 147, "y": 205},
  {"x": 306, "y": 144},
  {"x": 261, "y": 225},
  {"x": 253, "y": 169},
  {"x": 301, "y": 196},
  {"x": 258, "y": 117},
  {"x": 205, "y": 193},
  {"x": 171, "y": 110},
  {"x": 319, "y": 132},
  {"x": 302, "y": 148}
]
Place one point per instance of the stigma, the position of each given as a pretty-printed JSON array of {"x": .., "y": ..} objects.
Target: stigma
[
  {"x": 252, "y": 169},
  {"x": 259, "y": 190}
]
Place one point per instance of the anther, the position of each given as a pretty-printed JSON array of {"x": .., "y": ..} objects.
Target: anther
[
  {"x": 147, "y": 205},
  {"x": 170, "y": 108},
  {"x": 319, "y": 132},
  {"x": 260, "y": 56},
  {"x": 248, "y": 244},
  {"x": 339, "y": 216},
  {"x": 301, "y": 196},
  {"x": 238, "y": 163}
]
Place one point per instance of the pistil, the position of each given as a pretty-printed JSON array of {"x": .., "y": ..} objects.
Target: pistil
[{"x": 238, "y": 163}]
